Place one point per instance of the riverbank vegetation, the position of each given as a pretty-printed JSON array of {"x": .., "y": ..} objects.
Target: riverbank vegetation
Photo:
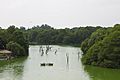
[
  {"x": 17, "y": 39},
  {"x": 13, "y": 39},
  {"x": 15, "y": 60},
  {"x": 46, "y": 34},
  {"x": 102, "y": 48}
]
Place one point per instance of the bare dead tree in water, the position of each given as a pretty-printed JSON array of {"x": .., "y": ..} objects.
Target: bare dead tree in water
[
  {"x": 78, "y": 56},
  {"x": 42, "y": 52},
  {"x": 55, "y": 51},
  {"x": 40, "y": 48},
  {"x": 47, "y": 49},
  {"x": 67, "y": 59}
]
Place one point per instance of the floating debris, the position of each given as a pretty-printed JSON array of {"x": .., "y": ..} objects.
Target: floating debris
[
  {"x": 46, "y": 64},
  {"x": 55, "y": 51},
  {"x": 42, "y": 52}
]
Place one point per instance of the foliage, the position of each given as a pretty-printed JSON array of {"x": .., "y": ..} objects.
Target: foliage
[
  {"x": 105, "y": 48},
  {"x": 44, "y": 34},
  {"x": 2, "y": 44},
  {"x": 19, "y": 38},
  {"x": 47, "y": 35},
  {"x": 95, "y": 37},
  {"x": 17, "y": 50},
  {"x": 3, "y": 63}
]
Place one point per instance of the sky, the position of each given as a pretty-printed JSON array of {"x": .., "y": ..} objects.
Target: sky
[{"x": 59, "y": 13}]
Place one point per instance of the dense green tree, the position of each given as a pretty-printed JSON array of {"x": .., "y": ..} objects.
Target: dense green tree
[
  {"x": 11, "y": 29},
  {"x": 105, "y": 49},
  {"x": 17, "y": 50},
  {"x": 45, "y": 34},
  {"x": 18, "y": 37},
  {"x": 32, "y": 36},
  {"x": 95, "y": 37},
  {"x": 2, "y": 44},
  {"x": 22, "y": 28}
]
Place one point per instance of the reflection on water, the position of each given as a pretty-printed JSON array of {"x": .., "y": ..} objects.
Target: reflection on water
[
  {"x": 60, "y": 63},
  {"x": 67, "y": 60},
  {"x": 61, "y": 57},
  {"x": 12, "y": 71}
]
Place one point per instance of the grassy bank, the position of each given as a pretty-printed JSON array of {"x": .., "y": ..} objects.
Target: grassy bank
[{"x": 6, "y": 62}]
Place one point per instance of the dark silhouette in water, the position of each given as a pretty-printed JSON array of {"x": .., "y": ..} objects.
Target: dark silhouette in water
[
  {"x": 46, "y": 52},
  {"x": 42, "y": 52},
  {"x": 47, "y": 49},
  {"x": 42, "y": 64},
  {"x": 55, "y": 51},
  {"x": 78, "y": 56},
  {"x": 46, "y": 64},
  {"x": 50, "y": 48},
  {"x": 67, "y": 59},
  {"x": 40, "y": 48}
]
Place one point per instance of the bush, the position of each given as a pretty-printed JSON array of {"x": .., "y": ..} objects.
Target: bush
[
  {"x": 104, "y": 52},
  {"x": 17, "y": 49}
]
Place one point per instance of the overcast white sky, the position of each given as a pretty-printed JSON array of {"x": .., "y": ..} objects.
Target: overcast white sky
[{"x": 59, "y": 13}]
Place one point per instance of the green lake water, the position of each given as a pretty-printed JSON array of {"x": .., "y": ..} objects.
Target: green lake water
[{"x": 66, "y": 66}]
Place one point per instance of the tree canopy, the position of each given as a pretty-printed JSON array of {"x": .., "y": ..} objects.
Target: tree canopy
[
  {"x": 48, "y": 35},
  {"x": 14, "y": 39},
  {"x": 103, "y": 48}
]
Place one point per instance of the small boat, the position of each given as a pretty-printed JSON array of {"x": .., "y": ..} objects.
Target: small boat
[
  {"x": 46, "y": 64},
  {"x": 49, "y": 64},
  {"x": 42, "y": 64}
]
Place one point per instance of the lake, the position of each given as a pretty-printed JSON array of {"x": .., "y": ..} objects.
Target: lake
[{"x": 66, "y": 65}]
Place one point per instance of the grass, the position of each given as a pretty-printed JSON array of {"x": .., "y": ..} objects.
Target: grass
[{"x": 6, "y": 62}]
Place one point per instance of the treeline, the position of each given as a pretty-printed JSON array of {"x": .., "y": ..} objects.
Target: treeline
[
  {"x": 17, "y": 39},
  {"x": 45, "y": 34},
  {"x": 14, "y": 39},
  {"x": 102, "y": 48}
]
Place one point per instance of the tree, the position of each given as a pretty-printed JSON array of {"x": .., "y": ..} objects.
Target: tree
[
  {"x": 105, "y": 48},
  {"x": 2, "y": 44},
  {"x": 95, "y": 37},
  {"x": 11, "y": 29},
  {"x": 17, "y": 50},
  {"x": 22, "y": 28},
  {"x": 19, "y": 38}
]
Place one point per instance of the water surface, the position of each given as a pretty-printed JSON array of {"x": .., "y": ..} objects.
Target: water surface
[{"x": 66, "y": 66}]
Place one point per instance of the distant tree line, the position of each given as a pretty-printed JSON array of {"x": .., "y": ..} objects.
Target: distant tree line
[
  {"x": 102, "y": 48},
  {"x": 17, "y": 39},
  {"x": 45, "y": 34}
]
